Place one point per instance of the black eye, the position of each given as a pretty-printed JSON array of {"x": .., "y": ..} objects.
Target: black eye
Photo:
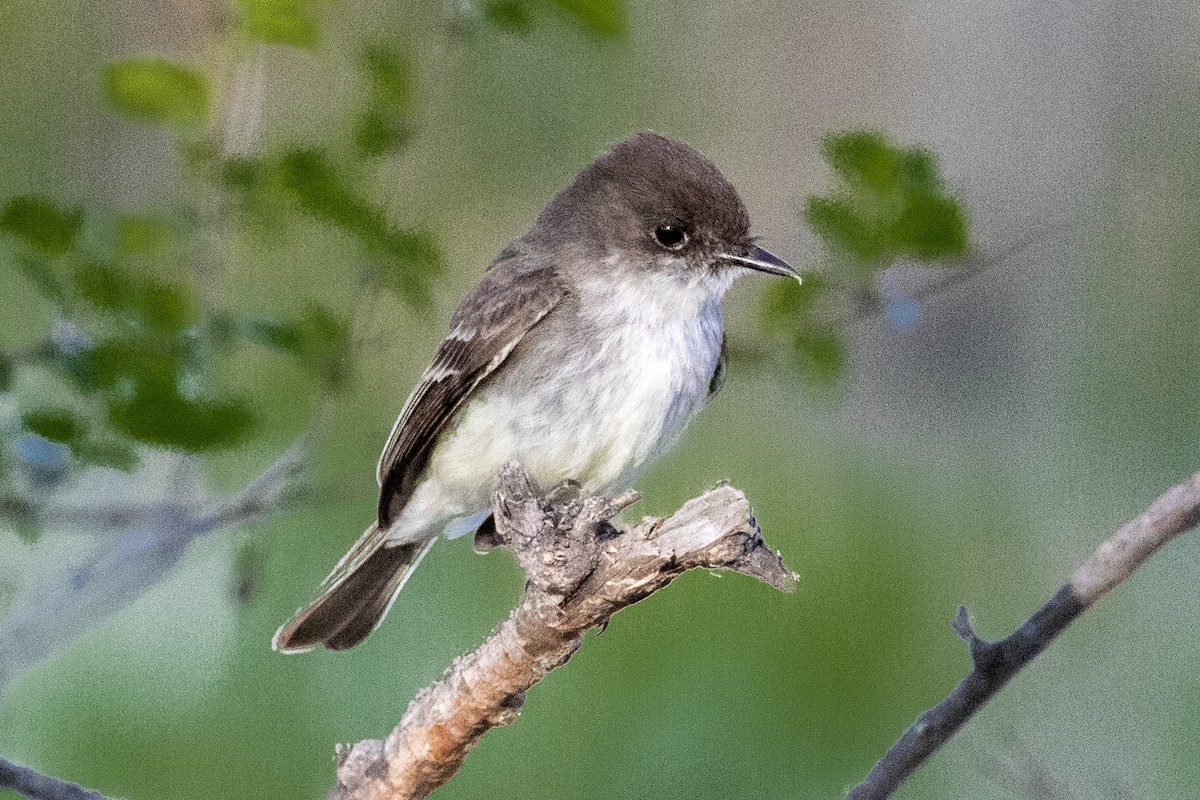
[{"x": 671, "y": 237}]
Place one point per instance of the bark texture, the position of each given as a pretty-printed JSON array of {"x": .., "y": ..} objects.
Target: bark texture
[{"x": 580, "y": 572}]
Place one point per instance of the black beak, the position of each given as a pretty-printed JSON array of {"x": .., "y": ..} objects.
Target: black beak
[{"x": 759, "y": 259}]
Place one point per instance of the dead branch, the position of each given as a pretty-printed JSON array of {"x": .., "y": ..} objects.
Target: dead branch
[
  {"x": 34, "y": 785},
  {"x": 995, "y": 663},
  {"x": 580, "y": 572}
]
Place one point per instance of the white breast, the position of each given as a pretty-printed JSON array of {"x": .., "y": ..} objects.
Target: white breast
[{"x": 602, "y": 414}]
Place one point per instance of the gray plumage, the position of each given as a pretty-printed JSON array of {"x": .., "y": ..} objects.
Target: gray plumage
[{"x": 583, "y": 352}]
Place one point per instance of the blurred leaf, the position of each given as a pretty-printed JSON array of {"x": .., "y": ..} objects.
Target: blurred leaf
[
  {"x": 863, "y": 157},
  {"x": 820, "y": 354},
  {"x": 408, "y": 259},
  {"x": 787, "y": 301},
  {"x": 158, "y": 415},
  {"x": 276, "y": 334},
  {"x": 155, "y": 90},
  {"x": 605, "y": 18},
  {"x": 245, "y": 173},
  {"x": 164, "y": 307},
  {"x": 411, "y": 259},
  {"x": 390, "y": 75},
  {"x": 19, "y": 514},
  {"x": 6, "y": 372},
  {"x": 838, "y": 223},
  {"x": 508, "y": 15},
  {"x": 42, "y": 276},
  {"x": 932, "y": 228},
  {"x": 280, "y": 22},
  {"x": 379, "y": 133},
  {"x": 144, "y": 236},
  {"x": 319, "y": 190},
  {"x": 115, "y": 363},
  {"x": 892, "y": 204},
  {"x": 317, "y": 340},
  {"x": 107, "y": 451},
  {"x": 104, "y": 286},
  {"x": 54, "y": 424},
  {"x": 41, "y": 224}
]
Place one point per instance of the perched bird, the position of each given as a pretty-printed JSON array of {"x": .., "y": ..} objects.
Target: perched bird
[{"x": 584, "y": 351}]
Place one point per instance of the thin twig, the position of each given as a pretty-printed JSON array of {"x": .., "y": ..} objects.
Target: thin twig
[
  {"x": 995, "y": 663},
  {"x": 34, "y": 785},
  {"x": 580, "y": 571}
]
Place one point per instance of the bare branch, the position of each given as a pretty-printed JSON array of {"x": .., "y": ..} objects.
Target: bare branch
[
  {"x": 580, "y": 572},
  {"x": 56, "y": 611},
  {"x": 995, "y": 663},
  {"x": 36, "y": 786}
]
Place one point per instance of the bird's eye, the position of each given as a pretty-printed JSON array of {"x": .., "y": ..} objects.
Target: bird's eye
[{"x": 671, "y": 237}]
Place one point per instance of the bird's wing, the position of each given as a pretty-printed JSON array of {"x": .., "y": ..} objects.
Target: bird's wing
[{"x": 491, "y": 320}]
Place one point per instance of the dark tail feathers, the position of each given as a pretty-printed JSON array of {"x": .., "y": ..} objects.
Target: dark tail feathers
[{"x": 351, "y": 608}]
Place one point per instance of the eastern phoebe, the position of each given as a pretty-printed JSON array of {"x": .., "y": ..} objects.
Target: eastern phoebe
[{"x": 583, "y": 353}]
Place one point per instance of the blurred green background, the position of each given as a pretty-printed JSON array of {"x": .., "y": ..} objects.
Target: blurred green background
[{"x": 973, "y": 457}]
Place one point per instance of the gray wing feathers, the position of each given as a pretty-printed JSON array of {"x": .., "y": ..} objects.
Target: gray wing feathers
[{"x": 490, "y": 322}]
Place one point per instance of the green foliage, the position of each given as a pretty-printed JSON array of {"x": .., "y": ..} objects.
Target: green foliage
[
  {"x": 157, "y": 414},
  {"x": 318, "y": 340},
  {"x": 605, "y": 19},
  {"x": 406, "y": 259},
  {"x": 145, "y": 236},
  {"x": 385, "y": 125},
  {"x": 41, "y": 224},
  {"x": 54, "y": 424},
  {"x": 510, "y": 16},
  {"x": 889, "y": 204},
  {"x": 286, "y": 22},
  {"x": 157, "y": 91}
]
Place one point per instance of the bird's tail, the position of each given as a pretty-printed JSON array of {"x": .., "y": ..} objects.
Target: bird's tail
[{"x": 356, "y": 597}]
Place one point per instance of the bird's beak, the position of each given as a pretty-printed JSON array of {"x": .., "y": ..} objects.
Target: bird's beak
[{"x": 759, "y": 259}]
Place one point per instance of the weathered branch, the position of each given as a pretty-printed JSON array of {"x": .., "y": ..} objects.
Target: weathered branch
[
  {"x": 580, "y": 572},
  {"x": 56, "y": 611},
  {"x": 34, "y": 785},
  {"x": 995, "y": 663}
]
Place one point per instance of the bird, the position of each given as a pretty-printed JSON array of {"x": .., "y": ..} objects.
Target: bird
[{"x": 583, "y": 352}]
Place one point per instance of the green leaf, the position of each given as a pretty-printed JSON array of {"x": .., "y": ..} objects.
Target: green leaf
[
  {"x": 144, "y": 236},
  {"x": 787, "y": 302},
  {"x": 604, "y": 18},
  {"x": 54, "y": 424},
  {"x": 407, "y": 259},
  {"x": 863, "y": 157},
  {"x": 19, "y": 514},
  {"x": 41, "y": 224},
  {"x": 410, "y": 259},
  {"x": 104, "y": 286},
  {"x": 891, "y": 204},
  {"x": 317, "y": 340},
  {"x": 155, "y": 90},
  {"x": 7, "y": 368},
  {"x": 286, "y": 22},
  {"x": 320, "y": 191},
  {"x": 932, "y": 229},
  {"x": 839, "y": 223},
  {"x": 43, "y": 277},
  {"x": 164, "y": 307},
  {"x": 158, "y": 415},
  {"x": 390, "y": 75},
  {"x": 508, "y": 15},
  {"x": 820, "y": 354},
  {"x": 379, "y": 133},
  {"x": 245, "y": 173}
]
